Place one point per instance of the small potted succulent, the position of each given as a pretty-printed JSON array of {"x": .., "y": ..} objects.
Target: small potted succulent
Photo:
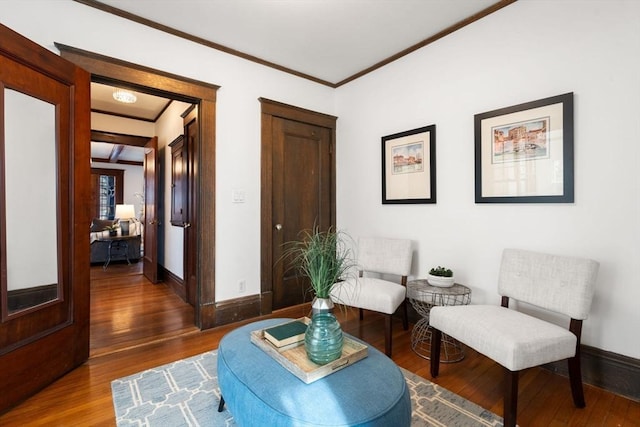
[
  {"x": 441, "y": 277},
  {"x": 112, "y": 229}
]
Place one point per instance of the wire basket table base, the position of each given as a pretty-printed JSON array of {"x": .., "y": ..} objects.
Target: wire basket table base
[{"x": 423, "y": 297}]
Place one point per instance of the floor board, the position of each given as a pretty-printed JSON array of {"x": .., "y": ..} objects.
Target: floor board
[{"x": 136, "y": 325}]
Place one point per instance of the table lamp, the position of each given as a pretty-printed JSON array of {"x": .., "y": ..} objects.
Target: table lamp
[{"x": 124, "y": 213}]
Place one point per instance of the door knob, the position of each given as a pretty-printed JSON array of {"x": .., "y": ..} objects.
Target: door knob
[{"x": 278, "y": 227}]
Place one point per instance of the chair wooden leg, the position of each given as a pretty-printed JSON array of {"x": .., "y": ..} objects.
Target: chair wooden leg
[
  {"x": 575, "y": 371},
  {"x": 436, "y": 340},
  {"x": 361, "y": 313},
  {"x": 405, "y": 315},
  {"x": 387, "y": 334},
  {"x": 510, "y": 397},
  {"x": 575, "y": 378}
]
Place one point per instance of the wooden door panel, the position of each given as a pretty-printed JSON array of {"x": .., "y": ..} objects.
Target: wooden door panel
[
  {"x": 45, "y": 340},
  {"x": 150, "y": 258},
  {"x": 302, "y": 188},
  {"x": 192, "y": 132},
  {"x": 179, "y": 213}
]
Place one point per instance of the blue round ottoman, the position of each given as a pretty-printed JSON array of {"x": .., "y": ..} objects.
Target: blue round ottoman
[{"x": 260, "y": 392}]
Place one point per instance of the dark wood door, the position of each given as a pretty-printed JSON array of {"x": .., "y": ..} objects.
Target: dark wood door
[
  {"x": 191, "y": 132},
  {"x": 178, "y": 182},
  {"x": 49, "y": 335},
  {"x": 150, "y": 257},
  {"x": 302, "y": 198}
]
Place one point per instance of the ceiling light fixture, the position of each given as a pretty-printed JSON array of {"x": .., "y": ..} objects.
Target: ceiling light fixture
[{"x": 124, "y": 96}]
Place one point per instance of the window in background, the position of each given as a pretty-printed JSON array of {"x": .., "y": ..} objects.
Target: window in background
[{"x": 107, "y": 191}]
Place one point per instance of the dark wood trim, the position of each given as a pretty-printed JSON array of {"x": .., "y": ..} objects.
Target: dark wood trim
[
  {"x": 451, "y": 29},
  {"x": 190, "y": 37},
  {"x": 291, "y": 112},
  {"x": 175, "y": 283},
  {"x": 20, "y": 299},
  {"x": 129, "y": 116},
  {"x": 119, "y": 138},
  {"x": 126, "y": 116},
  {"x": 119, "y": 162},
  {"x": 162, "y": 111},
  {"x": 610, "y": 371},
  {"x": 237, "y": 309},
  {"x": 205, "y": 214},
  {"x": 105, "y": 69},
  {"x": 172, "y": 86},
  {"x": 186, "y": 113}
]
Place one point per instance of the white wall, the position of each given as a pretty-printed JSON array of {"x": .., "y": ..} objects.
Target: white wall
[
  {"x": 237, "y": 120},
  {"x": 171, "y": 248},
  {"x": 526, "y": 51},
  {"x": 109, "y": 123}
]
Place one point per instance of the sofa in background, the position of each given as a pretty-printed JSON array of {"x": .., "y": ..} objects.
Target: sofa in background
[{"x": 100, "y": 248}]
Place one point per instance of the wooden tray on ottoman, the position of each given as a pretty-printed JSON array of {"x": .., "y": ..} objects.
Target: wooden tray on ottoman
[{"x": 294, "y": 359}]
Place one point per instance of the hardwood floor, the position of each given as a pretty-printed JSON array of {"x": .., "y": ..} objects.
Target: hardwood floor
[
  {"x": 128, "y": 311},
  {"x": 136, "y": 325}
]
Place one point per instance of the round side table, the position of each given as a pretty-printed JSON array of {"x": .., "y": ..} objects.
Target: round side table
[{"x": 423, "y": 296}]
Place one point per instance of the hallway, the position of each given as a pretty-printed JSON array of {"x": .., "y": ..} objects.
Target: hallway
[{"x": 128, "y": 311}]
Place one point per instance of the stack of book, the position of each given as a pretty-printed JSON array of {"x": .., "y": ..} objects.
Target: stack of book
[{"x": 286, "y": 335}]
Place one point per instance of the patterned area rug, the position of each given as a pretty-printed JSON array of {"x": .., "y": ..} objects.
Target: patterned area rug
[{"x": 185, "y": 393}]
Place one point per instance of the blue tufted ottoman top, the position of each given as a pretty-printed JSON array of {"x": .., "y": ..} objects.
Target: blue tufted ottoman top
[{"x": 260, "y": 392}]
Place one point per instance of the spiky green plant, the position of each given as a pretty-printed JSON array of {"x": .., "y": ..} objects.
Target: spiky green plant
[
  {"x": 325, "y": 257},
  {"x": 441, "y": 271}
]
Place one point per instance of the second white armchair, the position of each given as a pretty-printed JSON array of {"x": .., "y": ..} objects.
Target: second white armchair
[{"x": 373, "y": 290}]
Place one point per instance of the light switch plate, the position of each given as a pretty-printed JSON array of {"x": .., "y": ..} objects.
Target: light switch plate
[{"x": 237, "y": 196}]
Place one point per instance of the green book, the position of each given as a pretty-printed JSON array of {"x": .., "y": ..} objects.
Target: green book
[{"x": 286, "y": 333}]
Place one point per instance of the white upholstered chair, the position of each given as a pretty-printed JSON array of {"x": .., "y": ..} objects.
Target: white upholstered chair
[
  {"x": 516, "y": 340},
  {"x": 374, "y": 291}
]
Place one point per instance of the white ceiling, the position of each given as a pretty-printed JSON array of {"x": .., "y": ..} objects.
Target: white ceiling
[
  {"x": 103, "y": 150},
  {"x": 147, "y": 107},
  {"x": 330, "y": 40}
]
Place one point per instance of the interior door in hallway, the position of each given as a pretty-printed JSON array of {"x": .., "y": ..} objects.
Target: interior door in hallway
[
  {"x": 192, "y": 136},
  {"x": 150, "y": 257},
  {"x": 44, "y": 217},
  {"x": 302, "y": 198}
]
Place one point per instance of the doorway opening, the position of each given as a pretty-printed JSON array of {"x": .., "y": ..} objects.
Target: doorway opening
[
  {"x": 133, "y": 275},
  {"x": 202, "y": 95}
]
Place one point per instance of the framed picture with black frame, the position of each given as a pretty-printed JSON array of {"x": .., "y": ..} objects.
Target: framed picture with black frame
[
  {"x": 524, "y": 153},
  {"x": 409, "y": 166}
]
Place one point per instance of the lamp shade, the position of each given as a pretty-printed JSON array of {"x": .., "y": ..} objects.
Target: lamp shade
[{"x": 125, "y": 211}]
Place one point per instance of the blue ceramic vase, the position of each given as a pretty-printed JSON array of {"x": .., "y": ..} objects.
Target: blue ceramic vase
[{"x": 323, "y": 340}]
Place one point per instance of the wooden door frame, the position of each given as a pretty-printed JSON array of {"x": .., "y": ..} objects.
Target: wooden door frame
[
  {"x": 271, "y": 109},
  {"x": 187, "y": 90}
]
